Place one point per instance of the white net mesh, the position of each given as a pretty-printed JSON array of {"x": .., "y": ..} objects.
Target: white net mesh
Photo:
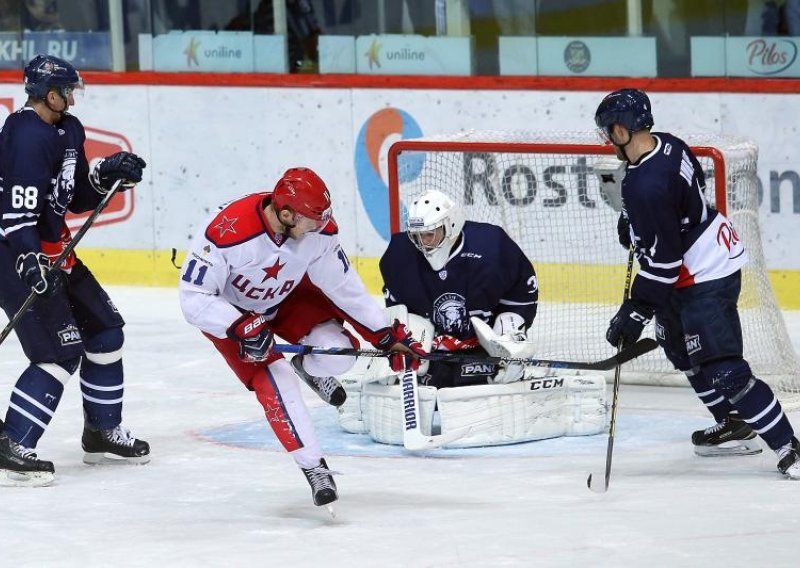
[{"x": 540, "y": 187}]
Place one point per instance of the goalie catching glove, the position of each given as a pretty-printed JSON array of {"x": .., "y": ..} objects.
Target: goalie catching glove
[
  {"x": 123, "y": 166},
  {"x": 253, "y": 336},
  {"x": 507, "y": 338},
  {"x": 401, "y": 359}
]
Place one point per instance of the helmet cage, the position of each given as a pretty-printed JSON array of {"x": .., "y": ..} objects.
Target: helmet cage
[{"x": 430, "y": 212}]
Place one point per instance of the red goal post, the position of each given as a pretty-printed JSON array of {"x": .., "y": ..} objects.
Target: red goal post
[{"x": 541, "y": 189}]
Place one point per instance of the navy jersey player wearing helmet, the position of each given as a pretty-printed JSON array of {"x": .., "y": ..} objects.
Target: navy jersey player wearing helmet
[
  {"x": 446, "y": 270},
  {"x": 690, "y": 260},
  {"x": 43, "y": 174}
]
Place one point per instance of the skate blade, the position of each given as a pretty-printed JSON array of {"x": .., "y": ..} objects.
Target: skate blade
[
  {"x": 25, "y": 479},
  {"x": 90, "y": 458},
  {"x": 737, "y": 448},
  {"x": 331, "y": 511}
]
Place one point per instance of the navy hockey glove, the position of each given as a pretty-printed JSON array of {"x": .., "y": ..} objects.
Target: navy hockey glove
[
  {"x": 407, "y": 350},
  {"x": 628, "y": 324},
  {"x": 624, "y": 231},
  {"x": 122, "y": 165},
  {"x": 34, "y": 269},
  {"x": 254, "y": 337}
]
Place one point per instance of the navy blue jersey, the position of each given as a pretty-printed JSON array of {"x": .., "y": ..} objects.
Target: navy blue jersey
[
  {"x": 487, "y": 274},
  {"x": 43, "y": 169},
  {"x": 679, "y": 238}
]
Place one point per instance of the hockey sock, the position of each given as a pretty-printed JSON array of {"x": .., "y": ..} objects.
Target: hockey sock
[
  {"x": 102, "y": 379},
  {"x": 760, "y": 408},
  {"x": 714, "y": 400},
  {"x": 34, "y": 399}
]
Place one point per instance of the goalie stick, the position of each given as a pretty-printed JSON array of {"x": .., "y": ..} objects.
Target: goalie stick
[
  {"x": 636, "y": 350},
  {"x": 413, "y": 438},
  {"x": 64, "y": 254}
]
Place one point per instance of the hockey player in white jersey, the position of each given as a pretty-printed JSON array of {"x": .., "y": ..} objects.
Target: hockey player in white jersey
[
  {"x": 690, "y": 261},
  {"x": 270, "y": 264}
]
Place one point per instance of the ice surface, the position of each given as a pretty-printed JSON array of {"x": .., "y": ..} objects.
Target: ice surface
[{"x": 220, "y": 492}]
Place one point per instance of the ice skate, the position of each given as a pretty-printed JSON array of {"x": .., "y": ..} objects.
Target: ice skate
[
  {"x": 731, "y": 437},
  {"x": 323, "y": 488},
  {"x": 328, "y": 388},
  {"x": 115, "y": 445},
  {"x": 20, "y": 467},
  {"x": 789, "y": 459}
]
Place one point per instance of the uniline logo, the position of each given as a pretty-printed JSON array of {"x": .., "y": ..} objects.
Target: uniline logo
[{"x": 770, "y": 57}]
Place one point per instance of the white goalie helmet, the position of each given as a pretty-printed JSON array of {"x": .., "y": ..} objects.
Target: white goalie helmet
[{"x": 434, "y": 225}]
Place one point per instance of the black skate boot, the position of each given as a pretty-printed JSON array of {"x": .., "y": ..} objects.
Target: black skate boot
[
  {"x": 20, "y": 467},
  {"x": 323, "y": 488},
  {"x": 731, "y": 437},
  {"x": 789, "y": 459},
  {"x": 113, "y": 445},
  {"x": 328, "y": 388}
]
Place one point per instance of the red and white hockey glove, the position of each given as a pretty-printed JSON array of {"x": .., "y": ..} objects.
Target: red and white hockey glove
[
  {"x": 407, "y": 350},
  {"x": 254, "y": 337},
  {"x": 450, "y": 343}
]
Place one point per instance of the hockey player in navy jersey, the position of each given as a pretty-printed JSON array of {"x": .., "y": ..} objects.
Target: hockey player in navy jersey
[
  {"x": 690, "y": 260},
  {"x": 73, "y": 323},
  {"x": 270, "y": 264},
  {"x": 446, "y": 270}
]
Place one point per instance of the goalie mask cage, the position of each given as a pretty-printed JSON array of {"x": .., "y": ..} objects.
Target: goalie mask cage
[{"x": 540, "y": 187}]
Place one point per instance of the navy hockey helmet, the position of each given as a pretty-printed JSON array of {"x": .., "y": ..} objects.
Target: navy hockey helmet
[
  {"x": 46, "y": 72},
  {"x": 628, "y": 107}
]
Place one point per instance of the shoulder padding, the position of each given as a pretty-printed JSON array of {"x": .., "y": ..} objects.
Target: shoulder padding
[{"x": 238, "y": 222}]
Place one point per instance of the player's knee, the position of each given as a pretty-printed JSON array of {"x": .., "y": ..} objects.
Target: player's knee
[
  {"x": 728, "y": 376},
  {"x": 61, "y": 370},
  {"x": 105, "y": 347}
]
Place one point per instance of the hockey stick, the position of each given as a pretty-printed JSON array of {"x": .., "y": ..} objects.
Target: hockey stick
[
  {"x": 637, "y": 349},
  {"x": 64, "y": 254},
  {"x": 615, "y": 397},
  {"x": 413, "y": 438}
]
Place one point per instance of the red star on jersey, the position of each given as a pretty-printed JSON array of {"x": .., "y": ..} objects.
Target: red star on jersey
[
  {"x": 226, "y": 226},
  {"x": 272, "y": 271}
]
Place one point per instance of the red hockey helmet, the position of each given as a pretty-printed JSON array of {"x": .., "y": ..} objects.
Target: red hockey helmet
[{"x": 303, "y": 192}]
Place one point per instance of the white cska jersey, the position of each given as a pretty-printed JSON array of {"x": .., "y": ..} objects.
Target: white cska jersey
[{"x": 237, "y": 263}]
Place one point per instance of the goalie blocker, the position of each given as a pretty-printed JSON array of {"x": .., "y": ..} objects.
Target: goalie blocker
[{"x": 535, "y": 408}]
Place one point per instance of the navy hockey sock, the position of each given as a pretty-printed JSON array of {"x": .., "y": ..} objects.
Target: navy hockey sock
[
  {"x": 34, "y": 399},
  {"x": 760, "y": 408},
  {"x": 102, "y": 378},
  {"x": 715, "y": 401}
]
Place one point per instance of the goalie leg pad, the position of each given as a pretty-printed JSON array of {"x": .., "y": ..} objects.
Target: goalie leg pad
[
  {"x": 524, "y": 411},
  {"x": 351, "y": 418},
  {"x": 382, "y": 407}
]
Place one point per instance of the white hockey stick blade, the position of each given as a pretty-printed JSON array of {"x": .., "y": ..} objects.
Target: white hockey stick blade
[
  {"x": 597, "y": 487},
  {"x": 416, "y": 442},
  {"x": 413, "y": 438}
]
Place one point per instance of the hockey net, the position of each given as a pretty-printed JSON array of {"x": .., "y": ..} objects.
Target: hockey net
[{"x": 540, "y": 187}]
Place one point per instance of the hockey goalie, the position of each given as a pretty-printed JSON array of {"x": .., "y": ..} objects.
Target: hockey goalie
[{"x": 466, "y": 287}]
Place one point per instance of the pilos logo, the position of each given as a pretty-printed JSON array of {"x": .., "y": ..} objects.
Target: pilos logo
[
  {"x": 767, "y": 56},
  {"x": 99, "y": 144},
  {"x": 577, "y": 56}
]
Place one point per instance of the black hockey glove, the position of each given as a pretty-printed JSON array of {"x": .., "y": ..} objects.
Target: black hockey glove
[
  {"x": 628, "y": 324},
  {"x": 34, "y": 269},
  {"x": 122, "y": 165},
  {"x": 624, "y": 231},
  {"x": 254, "y": 337}
]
